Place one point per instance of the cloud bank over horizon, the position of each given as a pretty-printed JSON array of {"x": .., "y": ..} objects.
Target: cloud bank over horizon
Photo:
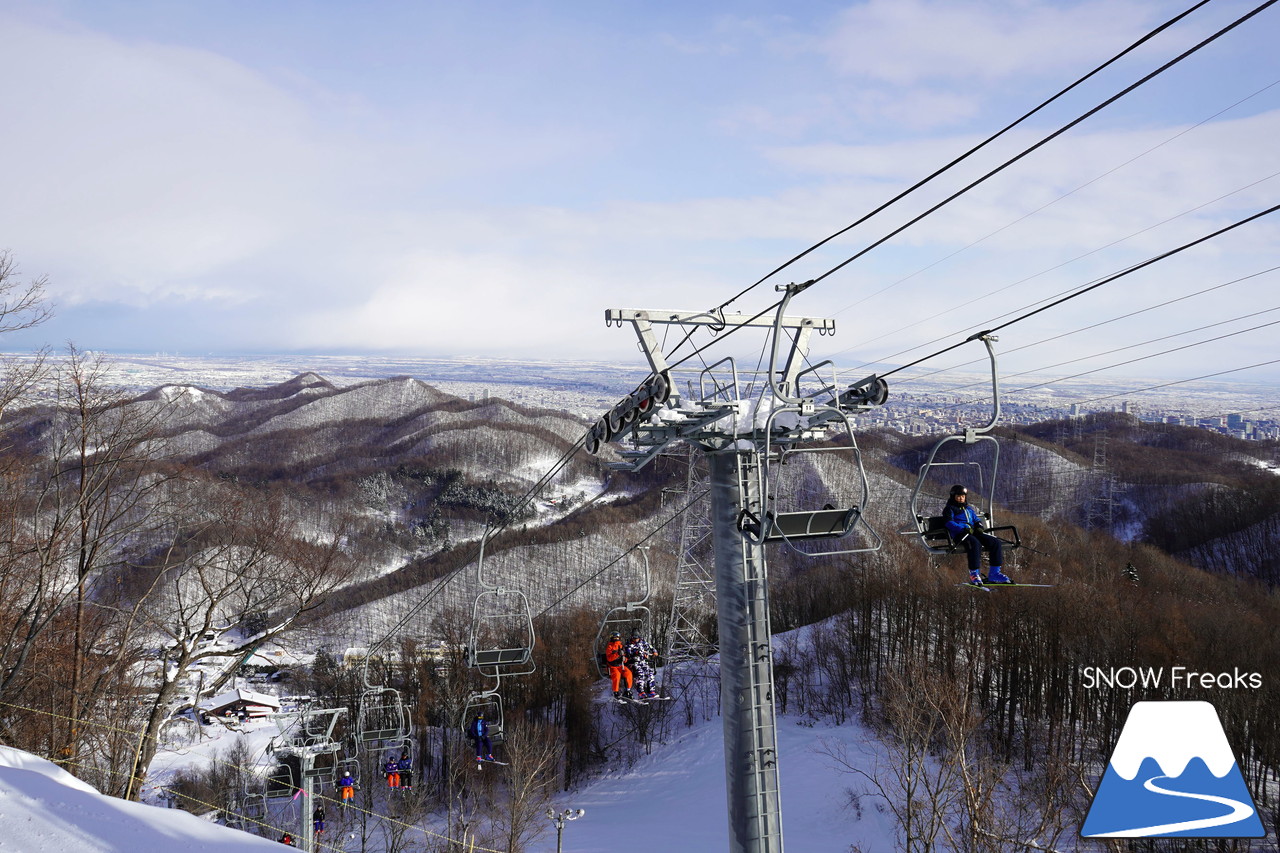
[{"x": 438, "y": 180}]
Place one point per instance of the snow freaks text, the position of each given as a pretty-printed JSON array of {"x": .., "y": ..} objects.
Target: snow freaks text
[{"x": 1156, "y": 677}]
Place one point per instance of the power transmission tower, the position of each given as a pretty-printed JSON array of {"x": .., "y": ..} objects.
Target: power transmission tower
[
  {"x": 1102, "y": 506},
  {"x": 693, "y": 599}
]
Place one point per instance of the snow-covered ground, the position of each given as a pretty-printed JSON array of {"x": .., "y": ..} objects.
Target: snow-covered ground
[
  {"x": 674, "y": 799},
  {"x": 44, "y": 809},
  {"x": 671, "y": 800}
]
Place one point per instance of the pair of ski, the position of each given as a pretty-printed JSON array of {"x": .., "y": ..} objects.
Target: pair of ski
[
  {"x": 631, "y": 700},
  {"x": 987, "y": 587},
  {"x": 480, "y": 761}
]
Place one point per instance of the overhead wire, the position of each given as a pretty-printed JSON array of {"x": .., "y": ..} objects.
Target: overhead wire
[
  {"x": 1058, "y": 379},
  {"x": 1182, "y": 381},
  {"x": 970, "y": 152},
  {"x": 1151, "y": 355},
  {"x": 1091, "y": 326},
  {"x": 1091, "y": 287},
  {"x": 1040, "y": 209},
  {"x": 1012, "y": 160},
  {"x": 1052, "y": 136}
]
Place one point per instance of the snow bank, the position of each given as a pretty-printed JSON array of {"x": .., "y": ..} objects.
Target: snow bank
[{"x": 44, "y": 808}]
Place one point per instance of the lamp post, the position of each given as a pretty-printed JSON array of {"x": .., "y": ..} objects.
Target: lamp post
[{"x": 558, "y": 818}]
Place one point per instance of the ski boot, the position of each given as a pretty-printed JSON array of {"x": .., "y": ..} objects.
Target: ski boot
[
  {"x": 975, "y": 577},
  {"x": 997, "y": 576}
]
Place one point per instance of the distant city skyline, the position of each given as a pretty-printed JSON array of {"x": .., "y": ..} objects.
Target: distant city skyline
[
  {"x": 919, "y": 404},
  {"x": 440, "y": 179}
]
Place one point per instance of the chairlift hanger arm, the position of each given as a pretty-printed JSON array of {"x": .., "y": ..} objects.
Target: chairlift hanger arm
[{"x": 987, "y": 340}]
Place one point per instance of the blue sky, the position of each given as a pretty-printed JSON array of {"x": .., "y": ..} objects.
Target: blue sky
[{"x": 467, "y": 178}]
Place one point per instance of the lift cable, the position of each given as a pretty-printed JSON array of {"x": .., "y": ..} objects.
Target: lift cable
[
  {"x": 1059, "y": 379},
  {"x": 920, "y": 183},
  {"x": 1086, "y": 289},
  {"x": 1069, "y": 125},
  {"x": 1049, "y": 204},
  {"x": 1100, "y": 323},
  {"x": 1182, "y": 381},
  {"x": 1151, "y": 355},
  {"x": 677, "y": 514},
  {"x": 1026, "y": 152}
]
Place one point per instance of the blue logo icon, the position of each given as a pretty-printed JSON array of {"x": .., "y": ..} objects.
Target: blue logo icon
[{"x": 1172, "y": 774}]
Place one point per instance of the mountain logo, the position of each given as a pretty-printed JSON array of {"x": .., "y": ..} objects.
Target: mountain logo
[{"x": 1172, "y": 774}]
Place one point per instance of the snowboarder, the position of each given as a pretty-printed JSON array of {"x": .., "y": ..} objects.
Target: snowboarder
[
  {"x": 478, "y": 731},
  {"x": 615, "y": 658},
  {"x": 639, "y": 654},
  {"x": 405, "y": 766},
  {"x": 317, "y": 818},
  {"x": 392, "y": 771},
  {"x": 286, "y": 839},
  {"x": 965, "y": 527}
]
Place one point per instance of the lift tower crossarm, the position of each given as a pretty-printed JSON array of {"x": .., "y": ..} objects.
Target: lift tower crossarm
[
  {"x": 642, "y": 320},
  {"x": 619, "y": 316}
]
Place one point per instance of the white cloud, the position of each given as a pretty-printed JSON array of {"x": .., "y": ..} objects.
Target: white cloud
[{"x": 909, "y": 41}]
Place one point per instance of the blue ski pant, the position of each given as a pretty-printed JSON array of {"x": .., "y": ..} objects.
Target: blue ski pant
[{"x": 973, "y": 545}]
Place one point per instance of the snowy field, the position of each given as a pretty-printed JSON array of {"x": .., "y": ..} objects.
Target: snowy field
[{"x": 672, "y": 800}]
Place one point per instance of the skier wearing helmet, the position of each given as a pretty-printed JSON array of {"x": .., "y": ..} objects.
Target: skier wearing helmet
[
  {"x": 615, "y": 658},
  {"x": 639, "y": 654},
  {"x": 964, "y": 526}
]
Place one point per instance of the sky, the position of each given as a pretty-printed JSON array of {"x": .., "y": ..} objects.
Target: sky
[{"x": 468, "y": 179}]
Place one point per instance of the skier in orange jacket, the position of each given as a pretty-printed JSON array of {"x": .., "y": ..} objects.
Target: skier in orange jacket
[{"x": 615, "y": 659}]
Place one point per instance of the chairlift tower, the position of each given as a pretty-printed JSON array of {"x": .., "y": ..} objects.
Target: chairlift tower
[
  {"x": 309, "y": 738},
  {"x": 740, "y": 434}
]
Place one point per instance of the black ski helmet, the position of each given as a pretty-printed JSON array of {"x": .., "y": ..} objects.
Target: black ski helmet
[{"x": 958, "y": 490}]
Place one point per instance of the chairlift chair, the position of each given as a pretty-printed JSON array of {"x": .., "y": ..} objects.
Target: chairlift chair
[
  {"x": 630, "y": 619},
  {"x": 793, "y": 526},
  {"x": 253, "y": 805},
  {"x": 489, "y": 704},
  {"x": 801, "y": 418},
  {"x": 349, "y": 766},
  {"x": 382, "y": 717},
  {"x": 931, "y": 529},
  {"x": 501, "y": 637}
]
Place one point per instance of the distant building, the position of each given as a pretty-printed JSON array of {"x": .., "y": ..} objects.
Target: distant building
[{"x": 235, "y": 702}]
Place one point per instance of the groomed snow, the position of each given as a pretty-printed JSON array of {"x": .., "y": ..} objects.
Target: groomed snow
[{"x": 674, "y": 799}]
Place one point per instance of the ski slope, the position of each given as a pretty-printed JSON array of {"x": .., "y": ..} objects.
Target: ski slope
[
  {"x": 674, "y": 799},
  {"x": 671, "y": 800}
]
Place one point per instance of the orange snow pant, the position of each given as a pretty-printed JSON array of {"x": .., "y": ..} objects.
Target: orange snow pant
[{"x": 617, "y": 674}]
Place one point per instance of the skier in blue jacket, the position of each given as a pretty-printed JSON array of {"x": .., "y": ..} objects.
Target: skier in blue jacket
[
  {"x": 478, "y": 731},
  {"x": 965, "y": 527}
]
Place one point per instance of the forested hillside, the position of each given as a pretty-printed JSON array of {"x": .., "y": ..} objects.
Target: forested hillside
[{"x": 153, "y": 539}]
